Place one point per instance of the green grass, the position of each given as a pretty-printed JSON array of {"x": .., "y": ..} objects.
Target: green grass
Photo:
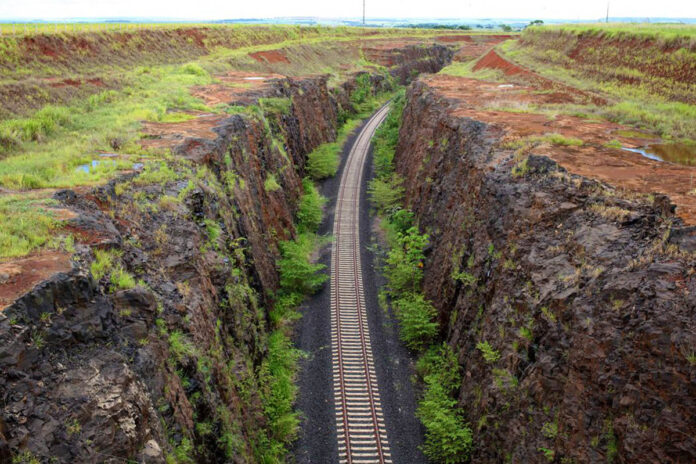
[
  {"x": 102, "y": 264},
  {"x": 646, "y": 85},
  {"x": 460, "y": 69},
  {"x": 122, "y": 279},
  {"x": 665, "y": 32},
  {"x": 55, "y": 141},
  {"x": 26, "y": 223}
]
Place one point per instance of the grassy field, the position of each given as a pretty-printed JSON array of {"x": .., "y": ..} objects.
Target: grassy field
[
  {"x": 650, "y": 84},
  {"x": 59, "y": 146},
  {"x": 666, "y": 32}
]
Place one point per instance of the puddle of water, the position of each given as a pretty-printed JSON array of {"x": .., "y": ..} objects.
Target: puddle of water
[
  {"x": 644, "y": 153},
  {"x": 86, "y": 168},
  {"x": 678, "y": 153},
  {"x": 94, "y": 164},
  {"x": 254, "y": 78},
  {"x": 505, "y": 86}
]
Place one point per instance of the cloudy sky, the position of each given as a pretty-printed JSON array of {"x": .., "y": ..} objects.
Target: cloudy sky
[{"x": 219, "y": 9}]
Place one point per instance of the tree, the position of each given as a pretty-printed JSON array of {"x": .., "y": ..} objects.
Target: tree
[{"x": 505, "y": 27}]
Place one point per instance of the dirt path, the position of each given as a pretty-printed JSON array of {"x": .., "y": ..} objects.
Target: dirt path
[{"x": 380, "y": 420}]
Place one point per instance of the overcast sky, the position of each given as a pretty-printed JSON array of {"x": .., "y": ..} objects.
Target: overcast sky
[{"x": 217, "y": 9}]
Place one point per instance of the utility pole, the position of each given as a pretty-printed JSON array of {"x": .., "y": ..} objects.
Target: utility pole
[
  {"x": 363, "y": 13},
  {"x": 607, "y": 21}
]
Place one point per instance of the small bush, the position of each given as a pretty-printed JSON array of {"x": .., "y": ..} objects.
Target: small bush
[
  {"x": 448, "y": 439},
  {"x": 310, "y": 212},
  {"x": 193, "y": 69},
  {"x": 386, "y": 194},
  {"x": 417, "y": 318},
  {"x": 404, "y": 262},
  {"x": 279, "y": 390},
  {"x": 323, "y": 161},
  {"x": 297, "y": 272}
]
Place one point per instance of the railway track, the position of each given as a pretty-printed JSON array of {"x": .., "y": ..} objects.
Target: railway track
[{"x": 361, "y": 433}]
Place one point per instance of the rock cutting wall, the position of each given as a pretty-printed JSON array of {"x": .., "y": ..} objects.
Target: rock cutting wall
[{"x": 585, "y": 294}]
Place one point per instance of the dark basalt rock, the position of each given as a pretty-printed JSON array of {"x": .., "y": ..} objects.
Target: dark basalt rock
[{"x": 592, "y": 315}]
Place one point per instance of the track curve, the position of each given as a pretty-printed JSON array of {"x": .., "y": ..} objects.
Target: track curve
[{"x": 361, "y": 432}]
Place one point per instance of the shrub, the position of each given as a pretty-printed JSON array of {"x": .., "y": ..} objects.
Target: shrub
[
  {"x": 448, "y": 439},
  {"x": 193, "y": 69},
  {"x": 323, "y": 161},
  {"x": 278, "y": 388},
  {"x": 405, "y": 261},
  {"x": 416, "y": 316},
  {"x": 297, "y": 272},
  {"x": 386, "y": 194},
  {"x": 310, "y": 212}
]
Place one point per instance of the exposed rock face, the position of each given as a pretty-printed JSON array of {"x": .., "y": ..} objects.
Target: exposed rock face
[
  {"x": 411, "y": 61},
  {"x": 575, "y": 285},
  {"x": 95, "y": 373}
]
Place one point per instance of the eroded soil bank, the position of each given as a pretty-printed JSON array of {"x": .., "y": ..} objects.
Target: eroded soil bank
[{"x": 585, "y": 292}]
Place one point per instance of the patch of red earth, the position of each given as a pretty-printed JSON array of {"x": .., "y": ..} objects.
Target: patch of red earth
[
  {"x": 270, "y": 56},
  {"x": 454, "y": 38},
  {"x": 97, "y": 82},
  {"x": 236, "y": 88},
  {"x": 494, "y": 61},
  {"x": 476, "y": 99},
  {"x": 21, "y": 275},
  {"x": 66, "y": 83},
  {"x": 168, "y": 135}
]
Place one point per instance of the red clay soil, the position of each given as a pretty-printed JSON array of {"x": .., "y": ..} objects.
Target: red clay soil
[
  {"x": 160, "y": 135},
  {"x": 632, "y": 172},
  {"x": 494, "y": 61},
  {"x": 454, "y": 38},
  {"x": 235, "y": 87},
  {"x": 270, "y": 56},
  {"x": 21, "y": 275}
]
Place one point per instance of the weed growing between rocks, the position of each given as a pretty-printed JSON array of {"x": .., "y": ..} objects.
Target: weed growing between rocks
[{"x": 448, "y": 438}]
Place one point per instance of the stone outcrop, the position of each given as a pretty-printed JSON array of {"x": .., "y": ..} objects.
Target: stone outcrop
[{"x": 579, "y": 289}]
